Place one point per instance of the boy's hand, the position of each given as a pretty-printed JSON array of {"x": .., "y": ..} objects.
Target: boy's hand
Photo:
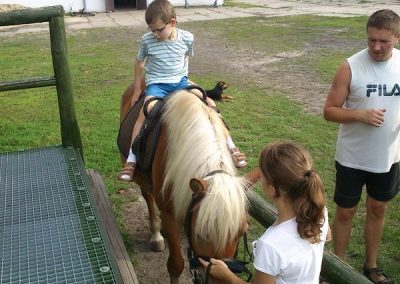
[
  {"x": 135, "y": 98},
  {"x": 136, "y": 95}
]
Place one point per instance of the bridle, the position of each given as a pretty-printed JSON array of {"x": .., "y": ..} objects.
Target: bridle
[{"x": 235, "y": 265}]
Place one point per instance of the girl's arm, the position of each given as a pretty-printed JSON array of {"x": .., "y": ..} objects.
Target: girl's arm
[{"x": 328, "y": 234}]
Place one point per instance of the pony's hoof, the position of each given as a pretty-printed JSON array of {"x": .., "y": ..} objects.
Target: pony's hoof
[{"x": 157, "y": 246}]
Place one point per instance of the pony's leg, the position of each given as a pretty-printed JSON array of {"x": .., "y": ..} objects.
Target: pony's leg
[
  {"x": 172, "y": 233},
  {"x": 156, "y": 241}
]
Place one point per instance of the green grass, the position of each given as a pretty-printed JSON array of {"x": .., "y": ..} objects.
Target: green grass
[
  {"x": 101, "y": 62},
  {"x": 238, "y": 4}
]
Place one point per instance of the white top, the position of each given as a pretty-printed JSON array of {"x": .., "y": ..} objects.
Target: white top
[
  {"x": 282, "y": 253},
  {"x": 373, "y": 85},
  {"x": 166, "y": 61}
]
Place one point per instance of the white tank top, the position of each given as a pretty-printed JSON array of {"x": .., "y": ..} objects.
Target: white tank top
[{"x": 373, "y": 85}]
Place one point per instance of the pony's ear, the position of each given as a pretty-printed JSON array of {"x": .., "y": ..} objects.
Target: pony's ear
[
  {"x": 198, "y": 186},
  {"x": 253, "y": 176}
]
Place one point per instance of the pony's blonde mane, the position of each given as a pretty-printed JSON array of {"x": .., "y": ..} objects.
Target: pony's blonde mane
[{"x": 196, "y": 147}]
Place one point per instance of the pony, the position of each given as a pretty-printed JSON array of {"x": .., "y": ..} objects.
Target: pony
[{"x": 192, "y": 172}]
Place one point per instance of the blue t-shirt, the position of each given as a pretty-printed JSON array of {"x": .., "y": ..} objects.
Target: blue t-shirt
[{"x": 166, "y": 61}]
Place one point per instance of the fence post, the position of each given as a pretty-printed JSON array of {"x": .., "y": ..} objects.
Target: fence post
[{"x": 70, "y": 134}]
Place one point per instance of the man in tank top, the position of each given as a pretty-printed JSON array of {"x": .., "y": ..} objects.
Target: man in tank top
[{"x": 365, "y": 99}]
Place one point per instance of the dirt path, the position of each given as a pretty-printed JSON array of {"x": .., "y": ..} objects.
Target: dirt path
[{"x": 150, "y": 267}]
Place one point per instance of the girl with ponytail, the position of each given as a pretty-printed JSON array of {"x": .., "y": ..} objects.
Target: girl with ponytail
[{"x": 291, "y": 250}]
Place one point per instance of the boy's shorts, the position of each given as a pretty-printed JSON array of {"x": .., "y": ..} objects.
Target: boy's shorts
[
  {"x": 380, "y": 186},
  {"x": 161, "y": 90}
]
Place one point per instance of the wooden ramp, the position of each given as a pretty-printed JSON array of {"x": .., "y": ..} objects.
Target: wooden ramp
[{"x": 56, "y": 224}]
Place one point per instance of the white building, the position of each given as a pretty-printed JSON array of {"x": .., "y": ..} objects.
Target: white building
[{"x": 105, "y": 5}]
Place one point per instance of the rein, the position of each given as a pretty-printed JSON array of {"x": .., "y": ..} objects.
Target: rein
[
  {"x": 234, "y": 265},
  {"x": 203, "y": 92}
]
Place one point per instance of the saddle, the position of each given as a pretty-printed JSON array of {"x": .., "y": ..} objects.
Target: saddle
[{"x": 145, "y": 143}]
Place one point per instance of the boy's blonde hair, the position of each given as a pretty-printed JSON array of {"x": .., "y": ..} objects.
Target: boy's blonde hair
[{"x": 160, "y": 10}]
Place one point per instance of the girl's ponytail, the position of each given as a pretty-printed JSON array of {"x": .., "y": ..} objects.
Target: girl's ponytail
[
  {"x": 309, "y": 204},
  {"x": 288, "y": 168}
]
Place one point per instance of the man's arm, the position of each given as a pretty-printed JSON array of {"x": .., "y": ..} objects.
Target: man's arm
[{"x": 338, "y": 93}]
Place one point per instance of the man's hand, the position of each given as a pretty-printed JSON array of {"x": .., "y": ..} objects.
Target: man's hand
[{"x": 374, "y": 117}]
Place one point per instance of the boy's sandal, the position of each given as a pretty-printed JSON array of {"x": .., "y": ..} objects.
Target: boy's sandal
[
  {"x": 239, "y": 159},
  {"x": 127, "y": 172},
  {"x": 379, "y": 274}
]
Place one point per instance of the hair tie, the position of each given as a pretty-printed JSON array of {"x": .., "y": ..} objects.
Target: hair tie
[{"x": 308, "y": 173}]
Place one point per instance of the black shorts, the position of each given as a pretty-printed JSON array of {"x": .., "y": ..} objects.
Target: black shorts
[{"x": 380, "y": 186}]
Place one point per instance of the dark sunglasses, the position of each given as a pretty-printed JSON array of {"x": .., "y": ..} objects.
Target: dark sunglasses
[{"x": 158, "y": 30}]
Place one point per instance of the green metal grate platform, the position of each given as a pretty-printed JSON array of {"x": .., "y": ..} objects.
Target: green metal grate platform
[{"x": 49, "y": 232}]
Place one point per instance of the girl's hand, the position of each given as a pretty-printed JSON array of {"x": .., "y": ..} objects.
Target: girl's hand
[{"x": 218, "y": 269}]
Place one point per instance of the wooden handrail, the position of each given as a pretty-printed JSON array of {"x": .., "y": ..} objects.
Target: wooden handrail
[
  {"x": 27, "y": 83},
  {"x": 30, "y": 16},
  {"x": 70, "y": 134}
]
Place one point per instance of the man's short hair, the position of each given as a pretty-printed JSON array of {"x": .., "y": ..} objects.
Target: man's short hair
[{"x": 385, "y": 19}]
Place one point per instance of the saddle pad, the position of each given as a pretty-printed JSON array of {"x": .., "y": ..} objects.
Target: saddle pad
[
  {"x": 145, "y": 143},
  {"x": 125, "y": 130}
]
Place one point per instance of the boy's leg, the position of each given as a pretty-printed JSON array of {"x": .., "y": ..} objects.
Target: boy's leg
[
  {"x": 238, "y": 157},
  {"x": 153, "y": 90},
  {"x": 128, "y": 171}
]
